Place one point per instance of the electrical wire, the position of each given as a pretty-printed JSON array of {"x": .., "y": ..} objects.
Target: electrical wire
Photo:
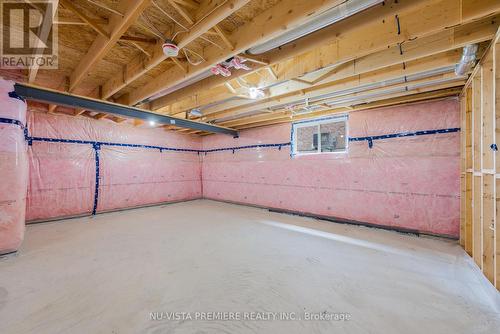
[
  {"x": 106, "y": 8},
  {"x": 152, "y": 28},
  {"x": 185, "y": 29},
  {"x": 168, "y": 15},
  {"x": 195, "y": 53}
]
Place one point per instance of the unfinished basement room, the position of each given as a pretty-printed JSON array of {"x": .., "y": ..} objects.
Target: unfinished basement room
[{"x": 250, "y": 166}]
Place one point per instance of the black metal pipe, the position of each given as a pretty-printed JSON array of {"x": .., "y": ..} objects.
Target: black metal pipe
[{"x": 75, "y": 101}]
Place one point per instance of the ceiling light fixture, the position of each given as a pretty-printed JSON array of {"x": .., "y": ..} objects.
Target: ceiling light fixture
[
  {"x": 255, "y": 93},
  {"x": 195, "y": 112},
  {"x": 170, "y": 49}
]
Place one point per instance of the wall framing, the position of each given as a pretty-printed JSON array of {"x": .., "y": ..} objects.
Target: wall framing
[{"x": 480, "y": 164}]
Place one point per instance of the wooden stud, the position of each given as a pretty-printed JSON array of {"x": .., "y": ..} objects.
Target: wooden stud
[
  {"x": 496, "y": 101},
  {"x": 477, "y": 179},
  {"x": 488, "y": 164},
  {"x": 468, "y": 171}
]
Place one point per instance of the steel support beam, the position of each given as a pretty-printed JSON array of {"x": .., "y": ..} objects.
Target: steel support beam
[{"x": 74, "y": 101}]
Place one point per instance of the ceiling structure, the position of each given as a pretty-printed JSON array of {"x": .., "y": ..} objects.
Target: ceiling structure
[{"x": 306, "y": 58}]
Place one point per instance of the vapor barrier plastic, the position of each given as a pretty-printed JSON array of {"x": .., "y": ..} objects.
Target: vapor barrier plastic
[
  {"x": 408, "y": 182},
  {"x": 63, "y": 175},
  {"x": 13, "y": 168}
]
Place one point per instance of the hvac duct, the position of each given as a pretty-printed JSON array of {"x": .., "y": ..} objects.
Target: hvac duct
[
  {"x": 468, "y": 60},
  {"x": 332, "y": 15}
]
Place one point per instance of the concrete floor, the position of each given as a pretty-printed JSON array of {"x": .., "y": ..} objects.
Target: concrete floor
[{"x": 106, "y": 274}]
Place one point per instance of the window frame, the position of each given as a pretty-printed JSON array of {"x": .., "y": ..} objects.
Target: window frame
[{"x": 317, "y": 122}]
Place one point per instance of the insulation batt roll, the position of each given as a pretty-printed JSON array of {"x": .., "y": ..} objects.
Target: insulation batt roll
[{"x": 13, "y": 169}]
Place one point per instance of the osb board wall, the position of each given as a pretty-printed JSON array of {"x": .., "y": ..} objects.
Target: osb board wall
[{"x": 480, "y": 165}]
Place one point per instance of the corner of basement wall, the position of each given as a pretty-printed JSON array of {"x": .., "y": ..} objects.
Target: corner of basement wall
[{"x": 409, "y": 183}]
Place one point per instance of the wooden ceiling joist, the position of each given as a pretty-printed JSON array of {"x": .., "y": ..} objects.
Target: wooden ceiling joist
[
  {"x": 399, "y": 98},
  {"x": 117, "y": 26},
  {"x": 391, "y": 53},
  {"x": 450, "y": 39},
  {"x": 265, "y": 26},
  {"x": 141, "y": 65},
  {"x": 93, "y": 23},
  {"x": 350, "y": 76},
  {"x": 362, "y": 35},
  {"x": 43, "y": 35},
  {"x": 416, "y": 68}
]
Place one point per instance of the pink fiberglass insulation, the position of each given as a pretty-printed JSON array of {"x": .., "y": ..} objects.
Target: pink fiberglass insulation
[
  {"x": 62, "y": 175},
  {"x": 409, "y": 182},
  {"x": 13, "y": 169}
]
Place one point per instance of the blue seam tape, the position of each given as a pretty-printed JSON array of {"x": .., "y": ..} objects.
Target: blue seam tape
[
  {"x": 97, "y": 148},
  {"x": 370, "y": 139},
  {"x": 12, "y": 121}
]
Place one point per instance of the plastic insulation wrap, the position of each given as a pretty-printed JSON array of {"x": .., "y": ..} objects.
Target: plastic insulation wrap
[
  {"x": 81, "y": 166},
  {"x": 409, "y": 180},
  {"x": 13, "y": 168}
]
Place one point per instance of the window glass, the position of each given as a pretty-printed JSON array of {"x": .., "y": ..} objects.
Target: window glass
[
  {"x": 333, "y": 137},
  {"x": 307, "y": 139},
  {"x": 321, "y": 136}
]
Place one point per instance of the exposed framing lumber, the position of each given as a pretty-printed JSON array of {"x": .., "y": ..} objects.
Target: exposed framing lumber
[
  {"x": 223, "y": 37},
  {"x": 140, "y": 65},
  {"x": 178, "y": 63},
  {"x": 102, "y": 44},
  {"x": 496, "y": 100},
  {"x": 355, "y": 39},
  {"x": 468, "y": 170},
  {"x": 188, "y": 3},
  {"x": 263, "y": 27},
  {"x": 404, "y": 98},
  {"x": 181, "y": 11},
  {"x": 138, "y": 47},
  {"x": 389, "y": 101},
  {"x": 488, "y": 164},
  {"x": 480, "y": 213},
  {"x": 103, "y": 6},
  {"x": 364, "y": 97},
  {"x": 43, "y": 35},
  {"x": 85, "y": 18},
  {"x": 358, "y": 79},
  {"x": 138, "y": 39}
]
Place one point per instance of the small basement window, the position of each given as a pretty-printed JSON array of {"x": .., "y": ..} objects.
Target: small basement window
[{"x": 320, "y": 136}]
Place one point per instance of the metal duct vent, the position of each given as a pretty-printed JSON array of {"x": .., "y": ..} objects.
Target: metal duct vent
[
  {"x": 467, "y": 61},
  {"x": 335, "y": 14}
]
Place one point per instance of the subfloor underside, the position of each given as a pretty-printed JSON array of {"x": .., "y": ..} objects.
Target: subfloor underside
[{"x": 114, "y": 272}]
